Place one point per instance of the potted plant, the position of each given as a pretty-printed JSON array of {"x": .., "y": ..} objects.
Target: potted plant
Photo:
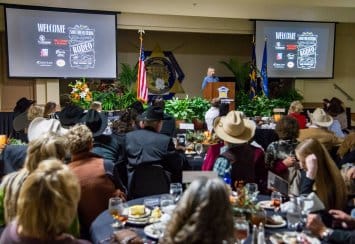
[
  {"x": 199, "y": 107},
  {"x": 180, "y": 109},
  {"x": 240, "y": 71}
]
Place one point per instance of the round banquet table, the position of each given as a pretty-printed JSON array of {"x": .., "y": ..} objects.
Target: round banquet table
[{"x": 101, "y": 229}]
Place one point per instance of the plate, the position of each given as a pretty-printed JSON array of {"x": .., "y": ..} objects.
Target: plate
[
  {"x": 265, "y": 204},
  {"x": 154, "y": 231},
  {"x": 283, "y": 224},
  {"x": 190, "y": 152},
  {"x": 293, "y": 237},
  {"x": 147, "y": 213}
]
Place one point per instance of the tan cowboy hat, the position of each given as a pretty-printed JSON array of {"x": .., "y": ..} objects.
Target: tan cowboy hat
[
  {"x": 41, "y": 125},
  {"x": 233, "y": 128},
  {"x": 321, "y": 118}
]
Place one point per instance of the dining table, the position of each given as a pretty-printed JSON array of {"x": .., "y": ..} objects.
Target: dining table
[{"x": 101, "y": 230}]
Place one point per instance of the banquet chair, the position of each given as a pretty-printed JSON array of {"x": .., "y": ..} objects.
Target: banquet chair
[{"x": 148, "y": 180}]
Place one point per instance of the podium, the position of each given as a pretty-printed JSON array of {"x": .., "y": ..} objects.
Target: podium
[{"x": 216, "y": 89}]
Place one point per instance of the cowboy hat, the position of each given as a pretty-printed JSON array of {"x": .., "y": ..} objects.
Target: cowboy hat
[
  {"x": 95, "y": 121},
  {"x": 23, "y": 104},
  {"x": 70, "y": 115},
  {"x": 233, "y": 128},
  {"x": 320, "y": 117},
  {"x": 152, "y": 114},
  {"x": 40, "y": 125}
]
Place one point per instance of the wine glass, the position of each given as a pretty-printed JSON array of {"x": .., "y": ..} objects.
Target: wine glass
[
  {"x": 252, "y": 191},
  {"x": 276, "y": 200},
  {"x": 176, "y": 191},
  {"x": 241, "y": 229},
  {"x": 199, "y": 149},
  {"x": 116, "y": 208}
]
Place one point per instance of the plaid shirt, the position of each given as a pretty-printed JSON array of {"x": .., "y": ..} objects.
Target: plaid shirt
[{"x": 279, "y": 150}]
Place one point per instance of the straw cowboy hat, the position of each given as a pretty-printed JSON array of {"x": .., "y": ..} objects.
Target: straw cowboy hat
[
  {"x": 40, "y": 125},
  {"x": 233, "y": 128},
  {"x": 321, "y": 118}
]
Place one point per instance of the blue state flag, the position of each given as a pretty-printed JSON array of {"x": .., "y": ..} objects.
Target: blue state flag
[{"x": 264, "y": 78}]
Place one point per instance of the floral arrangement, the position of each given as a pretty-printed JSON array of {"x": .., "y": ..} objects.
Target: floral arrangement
[{"x": 80, "y": 94}]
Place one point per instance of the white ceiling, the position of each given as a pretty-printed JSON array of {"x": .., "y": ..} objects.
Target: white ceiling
[{"x": 312, "y": 10}]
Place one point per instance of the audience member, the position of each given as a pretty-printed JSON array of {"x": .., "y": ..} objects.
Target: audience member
[
  {"x": 70, "y": 115},
  {"x": 336, "y": 109},
  {"x": 318, "y": 130},
  {"x": 203, "y": 215},
  {"x": 295, "y": 111},
  {"x": 35, "y": 111},
  {"x": 136, "y": 110},
  {"x": 96, "y": 105},
  {"x": 239, "y": 159},
  {"x": 148, "y": 146},
  {"x": 210, "y": 77},
  {"x": 346, "y": 151},
  {"x": 96, "y": 180},
  {"x": 321, "y": 174},
  {"x": 50, "y": 110},
  {"x": 280, "y": 155},
  {"x": 169, "y": 126},
  {"x": 47, "y": 205},
  {"x": 48, "y": 145},
  {"x": 212, "y": 113},
  {"x": 21, "y": 122}
]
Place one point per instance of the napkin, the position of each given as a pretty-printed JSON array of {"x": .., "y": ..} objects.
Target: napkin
[{"x": 311, "y": 203}]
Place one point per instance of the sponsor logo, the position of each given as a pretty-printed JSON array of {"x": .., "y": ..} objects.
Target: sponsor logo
[
  {"x": 60, "y": 53},
  {"x": 44, "y": 63},
  {"x": 44, "y": 52},
  {"x": 279, "y": 46},
  {"x": 278, "y": 66},
  {"x": 60, "y": 42},
  {"x": 291, "y": 47},
  {"x": 279, "y": 56},
  {"x": 290, "y": 64},
  {"x": 291, "y": 56},
  {"x": 60, "y": 63},
  {"x": 42, "y": 40}
]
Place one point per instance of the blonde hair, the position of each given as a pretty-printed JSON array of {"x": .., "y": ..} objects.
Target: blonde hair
[
  {"x": 48, "y": 145},
  {"x": 80, "y": 139},
  {"x": 48, "y": 201},
  {"x": 330, "y": 186},
  {"x": 35, "y": 111},
  {"x": 203, "y": 215},
  {"x": 295, "y": 107},
  {"x": 96, "y": 105}
]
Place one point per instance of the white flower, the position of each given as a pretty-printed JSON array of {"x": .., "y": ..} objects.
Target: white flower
[
  {"x": 74, "y": 90},
  {"x": 82, "y": 95},
  {"x": 86, "y": 90}
]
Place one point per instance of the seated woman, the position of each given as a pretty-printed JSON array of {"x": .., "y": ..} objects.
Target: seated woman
[
  {"x": 97, "y": 184},
  {"x": 48, "y": 145},
  {"x": 295, "y": 111},
  {"x": 321, "y": 174},
  {"x": 336, "y": 109},
  {"x": 203, "y": 215},
  {"x": 47, "y": 206},
  {"x": 239, "y": 159},
  {"x": 280, "y": 155}
]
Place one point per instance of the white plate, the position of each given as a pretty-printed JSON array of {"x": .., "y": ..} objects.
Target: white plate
[
  {"x": 283, "y": 224},
  {"x": 154, "y": 231},
  {"x": 130, "y": 216},
  {"x": 265, "y": 204},
  {"x": 294, "y": 236}
]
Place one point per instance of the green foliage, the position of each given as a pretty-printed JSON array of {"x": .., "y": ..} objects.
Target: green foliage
[
  {"x": 113, "y": 101},
  {"x": 128, "y": 75},
  {"x": 240, "y": 72},
  {"x": 187, "y": 109},
  {"x": 263, "y": 106}
]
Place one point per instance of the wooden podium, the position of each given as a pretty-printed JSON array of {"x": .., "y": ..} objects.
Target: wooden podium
[{"x": 212, "y": 90}]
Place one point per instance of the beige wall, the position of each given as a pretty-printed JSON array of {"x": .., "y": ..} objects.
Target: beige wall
[{"x": 344, "y": 67}]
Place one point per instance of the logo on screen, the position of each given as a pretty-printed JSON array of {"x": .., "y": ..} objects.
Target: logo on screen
[
  {"x": 291, "y": 47},
  {"x": 279, "y": 46},
  {"x": 291, "y": 56},
  {"x": 42, "y": 40},
  {"x": 44, "y": 63},
  {"x": 60, "y": 53},
  {"x": 44, "y": 52},
  {"x": 278, "y": 66},
  {"x": 60, "y": 42},
  {"x": 290, "y": 65},
  {"x": 278, "y": 56},
  {"x": 60, "y": 62}
]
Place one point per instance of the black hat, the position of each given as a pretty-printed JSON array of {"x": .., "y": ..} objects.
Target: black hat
[
  {"x": 152, "y": 114},
  {"x": 70, "y": 115},
  {"x": 22, "y": 105},
  {"x": 97, "y": 122}
]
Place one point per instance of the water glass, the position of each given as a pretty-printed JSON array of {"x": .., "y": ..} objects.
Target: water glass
[
  {"x": 241, "y": 230},
  {"x": 276, "y": 200},
  {"x": 176, "y": 191},
  {"x": 252, "y": 191},
  {"x": 165, "y": 202},
  {"x": 199, "y": 148},
  {"x": 116, "y": 208}
]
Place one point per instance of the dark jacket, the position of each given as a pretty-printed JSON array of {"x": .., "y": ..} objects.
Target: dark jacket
[{"x": 146, "y": 146}]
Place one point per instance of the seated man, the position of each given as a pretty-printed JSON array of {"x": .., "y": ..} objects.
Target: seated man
[{"x": 147, "y": 146}]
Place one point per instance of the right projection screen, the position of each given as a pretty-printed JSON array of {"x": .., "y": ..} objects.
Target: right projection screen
[{"x": 296, "y": 49}]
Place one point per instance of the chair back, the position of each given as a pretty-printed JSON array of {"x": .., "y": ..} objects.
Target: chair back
[
  {"x": 189, "y": 176},
  {"x": 148, "y": 180}
]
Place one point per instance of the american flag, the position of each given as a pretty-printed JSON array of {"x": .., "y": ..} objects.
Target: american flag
[{"x": 142, "y": 87}]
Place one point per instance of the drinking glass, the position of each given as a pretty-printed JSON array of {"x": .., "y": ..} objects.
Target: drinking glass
[
  {"x": 165, "y": 202},
  {"x": 276, "y": 200},
  {"x": 116, "y": 207},
  {"x": 241, "y": 230},
  {"x": 176, "y": 191},
  {"x": 199, "y": 149},
  {"x": 252, "y": 191}
]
